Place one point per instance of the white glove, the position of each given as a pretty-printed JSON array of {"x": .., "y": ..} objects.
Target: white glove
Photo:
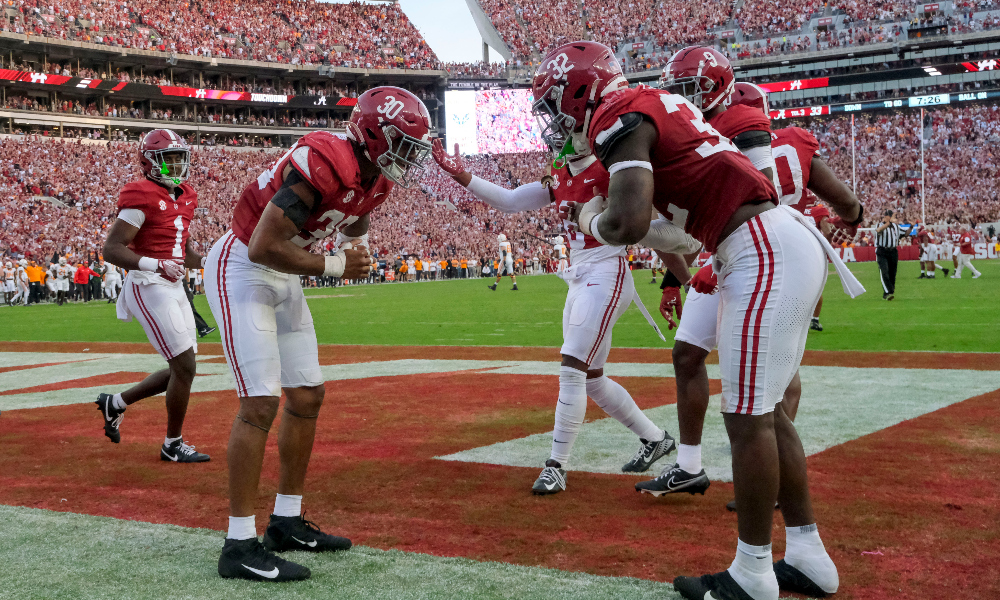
[{"x": 171, "y": 270}]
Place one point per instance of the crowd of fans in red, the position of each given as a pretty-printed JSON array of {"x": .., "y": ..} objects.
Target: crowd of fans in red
[
  {"x": 439, "y": 218},
  {"x": 306, "y": 32}
]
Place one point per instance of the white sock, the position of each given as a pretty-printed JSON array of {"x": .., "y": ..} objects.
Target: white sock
[
  {"x": 753, "y": 571},
  {"x": 117, "y": 402},
  {"x": 618, "y": 403},
  {"x": 242, "y": 528},
  {"x": 287, "y": 506},
  {"x": 570, "y": 412},
  {"x": 689, "y": 458},
  {"x": 169, "y": 440},
  {"x": 805, "y": 551}
]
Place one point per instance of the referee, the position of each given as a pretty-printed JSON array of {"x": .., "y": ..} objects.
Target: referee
[{"x": 887, "y": 252}]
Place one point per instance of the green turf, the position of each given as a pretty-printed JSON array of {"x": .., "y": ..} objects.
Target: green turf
[
  {"x": 62, "y": 555},
  {"x": 942, "y": 315}
]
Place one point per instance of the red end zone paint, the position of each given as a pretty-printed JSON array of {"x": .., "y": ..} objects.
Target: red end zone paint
[{"x": 373, "y": 478}]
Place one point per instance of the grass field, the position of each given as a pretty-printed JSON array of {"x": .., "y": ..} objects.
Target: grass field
[
  {"x": 942, "y": 315},
  {"x": 438, "y": 416}
]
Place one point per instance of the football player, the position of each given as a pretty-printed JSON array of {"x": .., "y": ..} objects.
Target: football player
[
  {"x": 601, "y": 288},
  {"x": 966, "y": 253},
  {"x": 21, "y": 280},
  {"x": 112, "y": 282},
  {"x": 61, "y": 273},
  {"x": 560, "y": 253},
  {"x": 9, "y": 288},
  {"x": 326, "y": 184},
  {"x": 505, "y": 261},
  {"x": 661, "y": 152},
  {"x": 151, "y": 240}
]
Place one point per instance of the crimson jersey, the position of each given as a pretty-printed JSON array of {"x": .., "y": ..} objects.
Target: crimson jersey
[
  {"x": 327, "y": 162},
  {"x": 817, "y": 212},
  {"x": 700, "y": 177},
  {"x": 924, "y": 237},
  {"x": 166, "y": 224},
  {"x": 740, "y": 119},
  {"x": 793, "y": 149},
  {"x": 567, "y": 188},
  {"x": 965, "y": 244}
]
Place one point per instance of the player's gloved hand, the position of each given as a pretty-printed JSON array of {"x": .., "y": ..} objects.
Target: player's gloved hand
[
  {"x": 669, "y": 303},
  {"x": 452, "y": 164},
  {"x": 352, "y": 261},
  {"x": 843, "y": 233},
  {"x": 171, "y": 270},
  {"x": 705, "y": 281}
]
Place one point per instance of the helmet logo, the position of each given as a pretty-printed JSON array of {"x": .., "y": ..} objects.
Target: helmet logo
[
  {"x": 711, "y": 59},
  {"x": 561, "y": 65},
  {"x": 391, "y": 108}
]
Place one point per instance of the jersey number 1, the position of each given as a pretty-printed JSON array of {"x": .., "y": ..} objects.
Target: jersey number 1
[{"x": 179, "y": 224}]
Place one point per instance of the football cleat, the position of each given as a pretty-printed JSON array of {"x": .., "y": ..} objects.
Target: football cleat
[
  {"x": 922, "y": 276},
  {"x": 112, "y": 417},
  {"x": 815, "y": 325},
  {"x": 791, "y": 579},
  {"x": 720, "y": 586},
  {"x": 296, "y": 533},
  {"x": 514, "y": 289},
  {"x": 648, "y": 453},
  {"x": 945, "y": 272},
  {"x": 206, "y": 331},
  {"x": 673, "y": 480},
  {"x": 552, "y": 480},
  {"x": 182, "y": 452},
  {"x": 493, "y": 287},
  {"x": 249, "y": 559},
  {"x": 977, "y": 275}
]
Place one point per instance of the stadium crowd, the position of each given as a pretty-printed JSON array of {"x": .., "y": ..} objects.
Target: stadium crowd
[{"x": 59, "y": 195}]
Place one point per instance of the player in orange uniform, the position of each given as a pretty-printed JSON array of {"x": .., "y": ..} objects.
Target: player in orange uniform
[
  {"x": 661, "y": 153},
  {"x": 151, "y": 239},
  {"x": 326, "y": 184}
]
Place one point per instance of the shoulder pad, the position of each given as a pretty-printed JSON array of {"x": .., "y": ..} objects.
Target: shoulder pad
[{"x": 619, "y": 130}]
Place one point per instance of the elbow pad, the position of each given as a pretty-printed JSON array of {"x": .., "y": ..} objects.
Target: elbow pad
[{"x": 669, "y": 238}]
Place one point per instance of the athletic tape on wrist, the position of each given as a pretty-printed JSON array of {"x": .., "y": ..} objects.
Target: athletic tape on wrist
[
  {"x": 148, "y": 264},
  {"x": 335, "y": 264},
  {"x": 630, "y": 164},
  {"x": 594, "y": 233}
]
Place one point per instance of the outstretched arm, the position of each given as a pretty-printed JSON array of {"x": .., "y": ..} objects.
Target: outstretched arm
[{"x": 531, "y": 196}]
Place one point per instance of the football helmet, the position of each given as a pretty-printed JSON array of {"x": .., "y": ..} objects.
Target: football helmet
[
  {"x": 568, "y": 86},
  {"x": 501, "y": 238},
  {"x": 62, "y": 261},
  {"x": 700, "y": 74},
  {"x": 154, "y": 149},
  {"x": 23, "y": 262},
  {"x": 750, "y": 95},
  {"x": 8, "y": 265},
  {"x": 560, "y": 240},
  {"x": 393, "y": 126}
]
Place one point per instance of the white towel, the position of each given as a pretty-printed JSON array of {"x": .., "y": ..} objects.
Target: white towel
[{"x": 852, "y": 287}]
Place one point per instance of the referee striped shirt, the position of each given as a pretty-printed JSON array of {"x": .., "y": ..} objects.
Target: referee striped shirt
[{"x": 888, "y": 237}]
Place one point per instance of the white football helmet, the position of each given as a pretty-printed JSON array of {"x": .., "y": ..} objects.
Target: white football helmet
[
  {"x": 9, "y": 265},
  {"x": 560, "y": 240},
  {"x": 62, "y": 261},
  {"x": 23, "y": 262},
  {"x": 501, "y": 238}
]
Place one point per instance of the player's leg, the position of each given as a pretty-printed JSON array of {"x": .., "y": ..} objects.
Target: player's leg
[
  {"x": 695, "y": 337},
  {"x": 775, "y": 270},
  {"x": 814, "y": 323},
  {"x": 513, "y": 277}
]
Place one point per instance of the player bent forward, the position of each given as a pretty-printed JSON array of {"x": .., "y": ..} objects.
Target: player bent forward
[
  {"x": 151, "y": 239},
  {"x": 324, "y": 184},
  {"x": 660, "y": 151}
]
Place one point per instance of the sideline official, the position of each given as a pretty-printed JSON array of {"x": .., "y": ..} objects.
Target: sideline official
[{"x": 887, "y": 252}]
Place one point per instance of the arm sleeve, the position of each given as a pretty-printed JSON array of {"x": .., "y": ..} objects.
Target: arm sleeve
[
  {"x": 531, "y": 196},
  {"x": 132, "y": 216},
  {"x": 669, "y": 238}
]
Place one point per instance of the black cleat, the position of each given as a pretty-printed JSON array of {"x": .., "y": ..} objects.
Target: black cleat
[
  {"x": 182, "y": 452},
  {"x": 296, "y": 533},
  {"x": 514, "y": 289},
  {"x": 205, "y": 332},
  {"x": 648, "y": 453},
  {"x": 552, "y": 479},
  {"x": 249, "y": 559},
  {"x": 815, "y": 325},
  {"x": 673, "y": 480},
  {"x": 720, "y": 586},
  {"x": 922, "y": 276},
  {"x": 112, "y": 417},
  {"x": 945, "y": 272},
  {"x": 493, "y": 287},
  {"x": 791, "y": 579}
]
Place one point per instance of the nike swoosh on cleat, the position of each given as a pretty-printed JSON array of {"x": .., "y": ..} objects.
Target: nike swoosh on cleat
[
  {"x": 174, "y": 458},
  {"x": 311, "y": 544},
  {"x": 269, "y": 574},
  {"x": 708, "y": 596},
  {"x": 550, "y": 486}
]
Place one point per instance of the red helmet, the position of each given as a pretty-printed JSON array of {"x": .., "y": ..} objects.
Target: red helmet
[
  {"x": 751, "y": 95},
  {"x": 393, "y": 126},
  {"x": 153, "y": 150},
  {"x": 700, "y": 74},
  {"x": 568, "y": 86}
]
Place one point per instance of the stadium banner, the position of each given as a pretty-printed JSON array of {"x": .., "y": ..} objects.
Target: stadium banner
[
  {"x": 493, "y": 121},
  {"x": 912, "y": 102},
  {"x": 461, "y": 123},
  {"x": 797, "y": 84},
  {"x": 146, "y": 91}
]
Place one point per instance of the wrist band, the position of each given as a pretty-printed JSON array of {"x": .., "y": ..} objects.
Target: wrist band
[
  {"x": 335, "y": 264},
  {"x": 630, "y": 164},
  {"x": 148, "y": 264},
  {"x": 594, "y": 233},
  {"x": 861, "y": 216}
]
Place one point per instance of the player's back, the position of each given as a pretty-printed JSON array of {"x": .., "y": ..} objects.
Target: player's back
[
  {"x": 793, "y": 149},
  {"x": 327, "y": 162},
  {"x": 701, "y": 178}
]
